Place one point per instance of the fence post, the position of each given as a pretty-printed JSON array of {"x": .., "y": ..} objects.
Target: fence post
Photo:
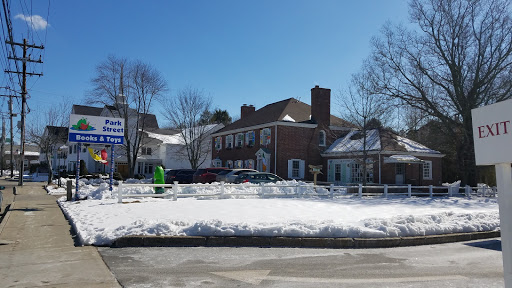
[
  {"x": 430, "y": 191},
  {"x": 175, "y": 188},
  {"x": 409, "y": 190},
  {"x": 331, "y": 190},
  {"x": 120, "y": 192},
  {"x": 222, "y": 189},
  {"x": 386, "y": 190},
  {"x": 467, "y": 191},
  {"x": 360, "y": 190},
  {"x": 262, "y": 193}
]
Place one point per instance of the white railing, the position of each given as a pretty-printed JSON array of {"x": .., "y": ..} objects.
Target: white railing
[{"x": 307, "y": 190}]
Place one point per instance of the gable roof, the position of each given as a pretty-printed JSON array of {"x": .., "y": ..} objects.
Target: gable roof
[
  {"x": 289, "y": 110},
  {"x": 376, "y": 140}
]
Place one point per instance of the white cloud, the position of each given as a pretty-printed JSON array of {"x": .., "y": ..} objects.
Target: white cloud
[{"x": 37, "y": 22}]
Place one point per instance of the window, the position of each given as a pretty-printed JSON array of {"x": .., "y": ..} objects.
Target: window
[
  {"x": 229, "y": 142},
  {"x": 265, "y": 136},
  {"x": 239, "y": 140},
  {"x": 250, "y": 139},
  {"x": 145, "y": 168},
  {"x": 218, "y": 143},
  {"x": 321, "y": 138},
  {"x": 229, "y": 164},
  {"x": 217, "y": 163},
  {"x": 296, "y": 169},
  {"x": 249, "y": 164},
  {"x": 427, "y": 170},
  {"x": 357, "y": 173},
  {"x": 146, "y": 151},
  {"x": 239, "y": 164}
]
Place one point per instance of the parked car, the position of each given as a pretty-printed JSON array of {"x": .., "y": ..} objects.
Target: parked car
[
  {"x": 229, "y": 175},
  {"x": 257, "y": 177},
  {"x": 185, "y": 176},
  {"x": 170, "y": 175},
  {"x": 207, "y": 175}
]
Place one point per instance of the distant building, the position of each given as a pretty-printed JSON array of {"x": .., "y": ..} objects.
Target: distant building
[{"x": 288, "y": 136}]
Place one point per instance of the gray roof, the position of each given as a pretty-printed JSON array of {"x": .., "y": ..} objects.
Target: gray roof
[
  {"x": 284, "y": 110},
  {"x": 87, "y": 110}
]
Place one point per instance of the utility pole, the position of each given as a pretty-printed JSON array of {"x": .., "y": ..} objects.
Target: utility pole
[
  {"x": 25, "y": 46},
  {"x": 2, "y": 148}
]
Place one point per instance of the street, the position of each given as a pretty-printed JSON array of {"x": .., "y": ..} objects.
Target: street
[{"x": 465, "y": 264}]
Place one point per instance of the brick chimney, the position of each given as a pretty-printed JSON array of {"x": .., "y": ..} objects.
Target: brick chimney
[
  {"x": 321, "y": 105},
  {"x": 246, "y": 110}
]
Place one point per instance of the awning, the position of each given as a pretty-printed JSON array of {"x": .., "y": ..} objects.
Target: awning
[{"x": 408, "y": 159}]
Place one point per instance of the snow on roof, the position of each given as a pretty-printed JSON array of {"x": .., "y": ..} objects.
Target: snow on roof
[
  {"x": 27, "y": 153},
  {"x": 177, "y": 138},
  {"x": 412, "y": 146},
  {"x": 288, "y": 118},
  {"x": 402, "y": 159},
  {"x": 352, "y": 143}
]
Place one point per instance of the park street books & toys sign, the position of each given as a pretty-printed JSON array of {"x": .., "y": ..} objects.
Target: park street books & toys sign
[
  {"x": 492, "y": 134},
  {"x": 96, "y": 130}
]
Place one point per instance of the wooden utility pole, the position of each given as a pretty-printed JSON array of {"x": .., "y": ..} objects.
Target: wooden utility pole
[{"x": 25, "y": 46}]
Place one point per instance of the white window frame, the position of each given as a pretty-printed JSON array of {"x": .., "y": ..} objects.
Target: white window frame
[
  {"x": 229, "y": 142},
  {"x": 249, "y": 164},
  {"x": 265, "y": 136},
  {"x": 296, "y": 168},
  {"x": 321, "y": 138},
  {"x": 250, "y": 139},
  {"x": 239, "y": 140},
  {"x": 217, "y": 163},
  {"x": 427, "y": 170},
  {"x": 229, "y": 164},
  {"x": 239, "y": 164},
  {"x": 218, "y": 143}
]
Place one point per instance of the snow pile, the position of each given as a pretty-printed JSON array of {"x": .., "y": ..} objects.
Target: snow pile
[{"x": 102, "y": 220}]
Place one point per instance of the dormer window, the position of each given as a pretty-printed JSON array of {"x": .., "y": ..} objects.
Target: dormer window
[{"x": 146, "y": 151}]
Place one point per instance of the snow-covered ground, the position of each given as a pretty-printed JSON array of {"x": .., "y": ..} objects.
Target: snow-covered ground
[{"x": 100, "y": 219}]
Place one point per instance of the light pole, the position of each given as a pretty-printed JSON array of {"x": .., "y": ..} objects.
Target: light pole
[{"x": 59, "y": 156}]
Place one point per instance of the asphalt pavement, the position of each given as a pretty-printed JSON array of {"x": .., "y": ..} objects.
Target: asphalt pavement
[{"x": 36, "y": 244}]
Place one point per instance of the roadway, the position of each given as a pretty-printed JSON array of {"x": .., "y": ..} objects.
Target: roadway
[{"x": 464, "y": 264}]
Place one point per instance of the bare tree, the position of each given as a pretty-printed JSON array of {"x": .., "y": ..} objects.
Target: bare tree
[
  {"x": 48, "y": 137},
  {"x": 129, "y": 90},
  {"x": 360, "y": 106},
  {"x": 184, "y": 113},
  {"x": 458, "y": 59}
]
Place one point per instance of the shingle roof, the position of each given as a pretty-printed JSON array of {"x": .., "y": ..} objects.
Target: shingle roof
[
  {"x": 377, "y": 140},
  {"x": 87, "y": 110},
  {"x": 289, "y": 110}
]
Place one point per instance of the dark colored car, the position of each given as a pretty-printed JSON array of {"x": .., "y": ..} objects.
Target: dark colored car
[
  {"x": 257, "y": 177},
  {"x": 185, "y": 176},
  {"x": 170, "y": 175},
  {"x": 207, "y": 175},
  {"x": 229, "y": 175}
]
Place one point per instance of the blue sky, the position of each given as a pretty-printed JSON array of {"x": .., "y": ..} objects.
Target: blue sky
[{"x": 238, "y": 52}]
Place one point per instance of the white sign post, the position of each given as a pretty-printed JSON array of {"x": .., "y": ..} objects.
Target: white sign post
[
  {"x": 492, "y": 134},
  {"x": 95, "y": 130}
]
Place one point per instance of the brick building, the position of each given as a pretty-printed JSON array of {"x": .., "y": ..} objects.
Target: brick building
[
  {"x": 287, "y": 136},
  {"x": 282, "y": 138}
]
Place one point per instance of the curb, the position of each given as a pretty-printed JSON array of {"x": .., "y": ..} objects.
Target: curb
[{"x": 296, "y": 242}]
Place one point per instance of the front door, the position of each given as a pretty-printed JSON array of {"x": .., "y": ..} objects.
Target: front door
[{"x": 399, "y": 173}]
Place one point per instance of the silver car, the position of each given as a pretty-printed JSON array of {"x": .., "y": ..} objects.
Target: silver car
[{"x": 229, "y": 175}]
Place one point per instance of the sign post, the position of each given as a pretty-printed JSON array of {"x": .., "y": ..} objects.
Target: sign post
[
  {"x": 95, "y": 130},
  {"x": 492, "y": 134}
]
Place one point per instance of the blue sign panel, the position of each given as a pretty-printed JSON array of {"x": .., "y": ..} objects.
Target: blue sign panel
[{"x": 95, "y": 129}]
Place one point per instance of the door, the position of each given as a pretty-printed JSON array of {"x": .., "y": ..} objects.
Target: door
[{"x": 399, "y": 173}]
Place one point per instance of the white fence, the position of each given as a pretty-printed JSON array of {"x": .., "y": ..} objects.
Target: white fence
[{"x": 301, "y": 189}]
